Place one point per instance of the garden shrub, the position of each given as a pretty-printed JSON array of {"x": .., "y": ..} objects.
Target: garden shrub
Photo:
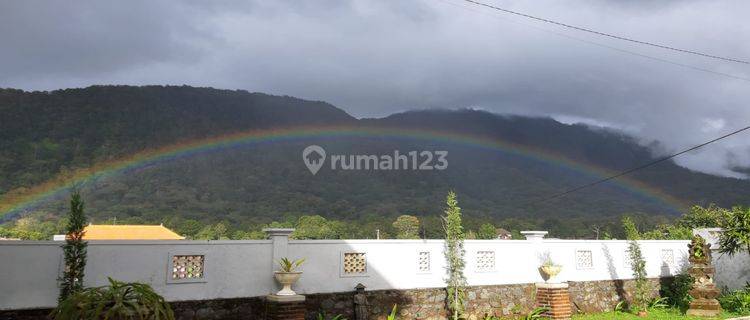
[
  {"x": 677, "y": 291},
  {"x": 118, "y": 300},
  {"x": 736, "y": 301}
]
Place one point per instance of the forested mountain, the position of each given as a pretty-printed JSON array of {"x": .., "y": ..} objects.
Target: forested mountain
[{"x": 246, "y": 185}]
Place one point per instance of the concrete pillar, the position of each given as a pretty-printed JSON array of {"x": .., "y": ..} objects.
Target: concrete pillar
[
  {"x": 556, "y": 298},
  {"x": 280, "y": 239},
  {"x": 283, "y": 307}
]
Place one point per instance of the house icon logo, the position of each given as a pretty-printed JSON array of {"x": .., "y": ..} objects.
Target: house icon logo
[{"x": 314, "y": 156}]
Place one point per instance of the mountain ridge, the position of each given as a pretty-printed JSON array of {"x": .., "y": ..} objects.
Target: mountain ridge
[{"x": 50, "y": 132}]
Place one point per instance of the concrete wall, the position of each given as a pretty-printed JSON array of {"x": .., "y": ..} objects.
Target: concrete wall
[
  {"x": 732, "y": 272},
  {"x": 392, "y": 264},
  {"x": 234, "y": 269},
  {"x": 29, "y": 269}
]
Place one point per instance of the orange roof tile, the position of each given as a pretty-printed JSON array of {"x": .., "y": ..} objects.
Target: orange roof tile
[{"x": 129, "y": 232}]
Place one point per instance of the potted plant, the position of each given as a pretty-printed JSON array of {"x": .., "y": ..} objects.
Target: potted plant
[
  {"x": 549, "y": 270},
  {"x": 288, "y": 275}
]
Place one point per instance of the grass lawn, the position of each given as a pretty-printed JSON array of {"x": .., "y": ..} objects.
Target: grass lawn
[{"x": 656, "y": 314}]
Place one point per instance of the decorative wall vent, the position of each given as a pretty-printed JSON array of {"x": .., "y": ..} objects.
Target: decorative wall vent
[
  {"x": 667, "y": 257},
  {"x": 355, "y": 263},
  {"x": 485, "y": 260},
  {"x": 423, "y": 261},
  {"x": 187, "y": 267},
  {"x": 584, "y": 259}
]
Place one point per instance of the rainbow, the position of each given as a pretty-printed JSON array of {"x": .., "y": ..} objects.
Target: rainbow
[{"x": 17, "y": 202}]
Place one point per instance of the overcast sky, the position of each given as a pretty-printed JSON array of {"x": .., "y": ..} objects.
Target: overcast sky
[{"x": 373, "y": 58}]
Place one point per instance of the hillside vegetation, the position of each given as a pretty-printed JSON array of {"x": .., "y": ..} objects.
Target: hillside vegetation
[{"x": 44, "y": 134}]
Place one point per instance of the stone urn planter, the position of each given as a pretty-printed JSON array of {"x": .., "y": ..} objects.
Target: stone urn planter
[
  {"x": 549, "y": 271},
  {"x": 288, "y": 275},
  {"x": 286, "y": 279}
]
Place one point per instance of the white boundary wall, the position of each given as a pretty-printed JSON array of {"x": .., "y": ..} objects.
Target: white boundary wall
[
  {"x": 28, "y": 269},
  {"x": 732, "y": 272}
]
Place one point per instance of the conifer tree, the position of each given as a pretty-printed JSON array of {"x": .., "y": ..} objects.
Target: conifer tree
[
  {"x": 454, "y": 255},
  {"x": 74, "y": 248},
  {"x": 637, "y": 265}
]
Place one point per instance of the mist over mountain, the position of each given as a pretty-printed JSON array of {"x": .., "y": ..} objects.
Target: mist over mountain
[{"x": 44, "y": 134}]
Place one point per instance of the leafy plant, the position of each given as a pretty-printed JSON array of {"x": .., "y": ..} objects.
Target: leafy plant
[
  {"x": 677, "y": 291},
  {"x": 537, "y": 313},
  {"x": 549, "y": 263},
  {"x": 657, "y": 303},
  {"x": 287, "y": 265},
  {"x": 736, "y": 301},
  {"x": 392, "y": 315},
  {"x": 74, "y": 249},
  {"x": 642, "y": 292},
  {"x": 736, "y": 234},
  {"x": 118, "y": 300},
  {"x": 454, "y": 254},
  {"x": 322, "y": 316},
  {"x": 621, "y": 306}
]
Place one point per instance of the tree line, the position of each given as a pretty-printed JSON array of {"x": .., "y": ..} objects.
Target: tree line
[{"x": 404, "y": 226}]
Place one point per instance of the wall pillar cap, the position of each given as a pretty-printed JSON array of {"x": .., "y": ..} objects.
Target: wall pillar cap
[
  {"x": 534, "y": 234},
  {"x": 273, "y": 232},
  {"x": 292, "y": 298},
  {"x": 558, "y": 285}
]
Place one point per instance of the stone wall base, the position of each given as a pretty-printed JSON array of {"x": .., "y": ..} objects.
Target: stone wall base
[{"x": 500, "y": 300}]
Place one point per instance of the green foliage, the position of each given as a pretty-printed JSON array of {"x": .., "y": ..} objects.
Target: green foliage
[
  {"x": 407, "y": 227},
  {"x": 287, "y": 265},
  {"x": 118, "y": 300},
  {"x": 697, "y": 247},
  {"x": 657, "y": 303},
  {"x": 736, "y": 301},
  {"x": 392, "y": 315},
  {"x": 736, "y": 235},
  {"x": 247, "y": 186},
  {"x": 537, "y": 313},
  {"x": 642, "y": 292},
  {"x": 31, "y": 228},
  {"x": 74, "y": 249},
  {"x": 631, "y": 231},
  {"x": 487, "y": 231},
  {"x": 621, "y": 306},
  {"x": 656, "y": 314},
  {"x": 710, "y": 216},
  {"x": 213, "y": 232},
  {"x": 677, "y": 291},
  {"x": 668, "y": 232},
  {"x": 317, "y": 227},
  {"x": 454, "y": 255}
]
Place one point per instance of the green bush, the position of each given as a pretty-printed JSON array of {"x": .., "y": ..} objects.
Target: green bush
[
  {"x": 736, "y": 301},
  {"x": 677, "y": 291},
  {"x": 118, "y": 300}
]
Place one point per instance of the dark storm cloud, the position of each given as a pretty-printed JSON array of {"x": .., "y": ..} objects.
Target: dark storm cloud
[{"x": 373, "y": 58}]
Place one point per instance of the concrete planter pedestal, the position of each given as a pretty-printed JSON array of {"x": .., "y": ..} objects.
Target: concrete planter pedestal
[
  {"x": 555, "y": 297},
  {"x": 285, "y": 307}
]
